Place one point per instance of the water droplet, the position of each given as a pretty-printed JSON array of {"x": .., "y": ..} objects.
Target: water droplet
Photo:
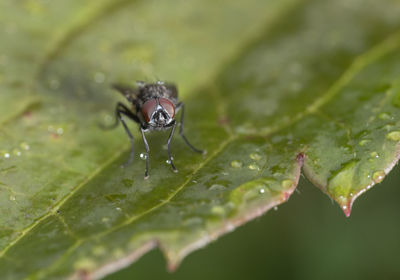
[
  {"x": 287, "y": 184},
  {"x": 276, "y": 208},
  {"x": 389, "y": 127},
  {"x": 364, "y": 142},
  {"x": 374, "y": 155},
  {"x": 351, "y": 194},
  {"x": 85, "y": 264},
  {"x": 17, "y": 152},
  {"x": 193, "y": 221},
  {"x": 394, "y": 135},
  {"x": 384, "y": 116},
  {"x": 12, "y": 198},
  {"x": 194, "y": 181},
  {"x": 255, "y": 156},
  {"x": 105, "y": 219},
  {"x": 24, "y": 146},
  {"x": 218, "y": 187},
  {"x": 168, "y": 161},
  {"x": 7, "y": 155},
  {"x": 344, "y": 207},
  {"x": 118, "y": 209},
  {"x": 50, "y": 128},
  {"x": 224, "y": 173},
  {"x": 118, "y": 253},
  {"x": 262, "y": 190},
  {"x": 218, "y": 210},
  {"x": 254, "y": 166},
  {"x": 99, "y": 77},
  {"x": 108, "y": 119},
  {"x": 143, "y": 156},
  {"x": 378, "y": 176},
  {"x": 99, "y": 250},
  {"x": 60, "y": 131},
  {"x": 236, "y": 164}
]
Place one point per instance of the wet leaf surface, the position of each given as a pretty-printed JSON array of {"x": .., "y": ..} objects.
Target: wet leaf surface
[{"x": 269, "y": 87}]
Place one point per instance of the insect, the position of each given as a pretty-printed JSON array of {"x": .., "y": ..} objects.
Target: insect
[{"x": 154, "y": 107}]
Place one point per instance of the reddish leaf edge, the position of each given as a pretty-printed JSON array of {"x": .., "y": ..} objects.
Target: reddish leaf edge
[{"x": 173, "y": 262}]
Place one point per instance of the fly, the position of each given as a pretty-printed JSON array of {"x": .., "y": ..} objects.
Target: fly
[{"x": 154, "y": 107}]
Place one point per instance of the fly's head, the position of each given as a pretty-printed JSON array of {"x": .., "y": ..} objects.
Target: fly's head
[{"x": 158, "y": 112}]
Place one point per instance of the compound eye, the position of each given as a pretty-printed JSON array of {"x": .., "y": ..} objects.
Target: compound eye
[
  {"x": 148, "y": 109},
  {"x": 168, "y": 106}
]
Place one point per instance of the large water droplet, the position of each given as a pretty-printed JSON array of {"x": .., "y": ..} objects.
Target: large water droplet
[
  {"x": 6, "y": 155},
  {"x": 384, "y": 116},
  {"x": 217, "y": 187},
  {"x": 394, "y": 135},
  {"x": 254, "y": 166},
  {"x": 287, "y": 184},
  {"x": 236, "y": 164},
  {"x": 255, "y": 156},
  {"x": 378, "y": 176},
  {"x": 24, "y": 146},
  {"x": 364, "y": 142},
  {"x": 374, "y": 155},
  {"x": 17, "y": 152},
  {"x": 99, "y": 250},
  {"x": 218, "y": 210}
]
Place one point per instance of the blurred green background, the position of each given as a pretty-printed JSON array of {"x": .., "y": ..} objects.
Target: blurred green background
[{"x": 306, "y": 238}]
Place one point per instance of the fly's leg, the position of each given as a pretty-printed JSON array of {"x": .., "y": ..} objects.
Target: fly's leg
[
  {"x": 121, "y": 110},
  {"x": 146, "y": 145},
  {"x": 170, "y": 159}
]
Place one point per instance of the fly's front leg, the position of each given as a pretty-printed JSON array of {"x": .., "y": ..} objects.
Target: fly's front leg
[
  {"x": 146, "y": 145},
  {"x": 121, "y": 110},
  {"x": 170, "y": 159},
  {"x": 182, "y": 107}
]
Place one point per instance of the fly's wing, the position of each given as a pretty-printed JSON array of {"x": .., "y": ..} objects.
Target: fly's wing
[
  {"x": 172, "y": 90},
  {"x": 129, "y": 93}
]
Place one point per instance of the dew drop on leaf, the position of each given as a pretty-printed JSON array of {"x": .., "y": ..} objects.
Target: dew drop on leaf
[
  {"x": 364, "y": 142},
  {"x": 254, "y": 166},
  {"x": 287, "y": 183},
  {"x": 374, "y": 155},
  {"x": 384, "y": 116},
  {"x": 215, "y": 187},
  {"x": 17, "y": 152},
  {"x": 378, "y": 176},
  {"x": 236, "y": 164},
  {"x": 255, "y": 156},
  {"x": 24, "y": 146},
  {"x": 394, "y": 135}
]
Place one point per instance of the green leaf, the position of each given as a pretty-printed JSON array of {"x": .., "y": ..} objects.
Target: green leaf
[{"x": 269, "y": 87}]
